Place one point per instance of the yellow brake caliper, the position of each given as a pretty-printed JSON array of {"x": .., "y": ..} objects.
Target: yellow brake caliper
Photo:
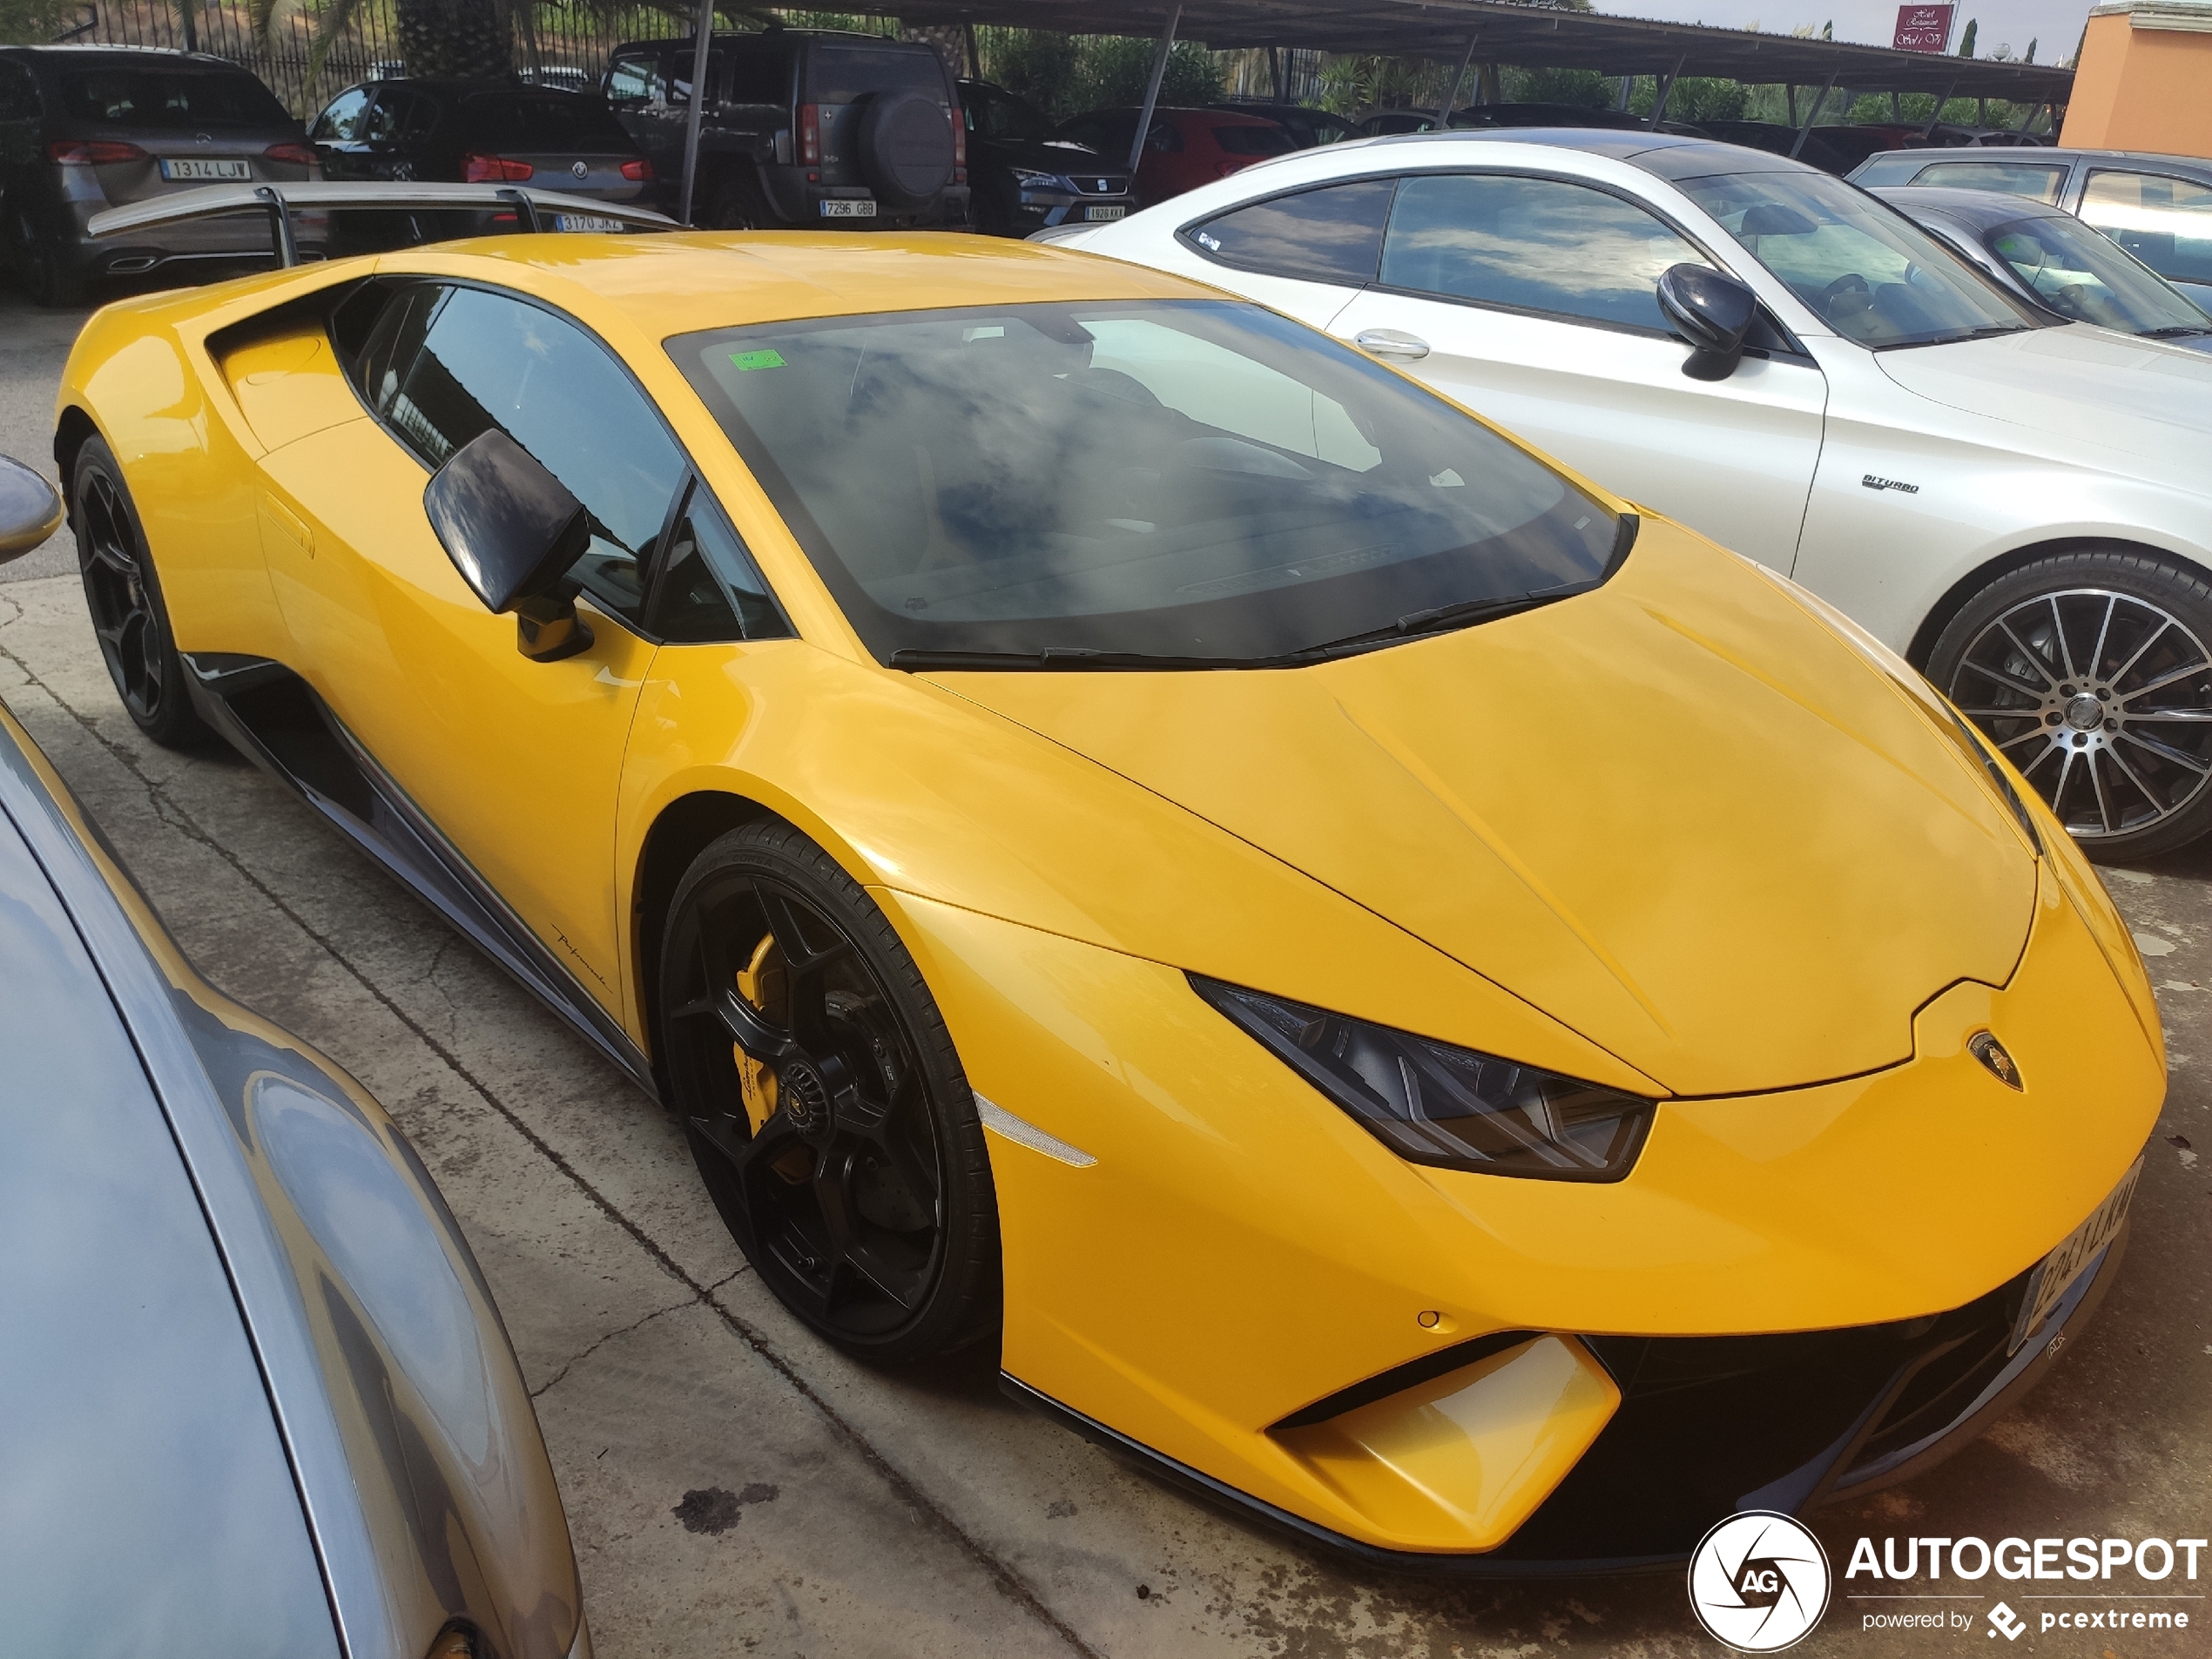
[{"x": 760, "y": 982}]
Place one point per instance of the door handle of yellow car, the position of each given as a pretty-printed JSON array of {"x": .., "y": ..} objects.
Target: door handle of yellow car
[
  {"x": 1392, "y": 342},
  {"x": 288, "y": 525}
]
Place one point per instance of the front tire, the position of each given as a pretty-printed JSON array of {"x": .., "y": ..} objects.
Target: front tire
[
  {"x": 824, "y": 1102},
  {"x": 2090, "y": 671},
  {"x": 129, "y": 617}
]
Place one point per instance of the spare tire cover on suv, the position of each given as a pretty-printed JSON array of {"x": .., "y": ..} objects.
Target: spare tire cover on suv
[{"x": 905, "y": 147}]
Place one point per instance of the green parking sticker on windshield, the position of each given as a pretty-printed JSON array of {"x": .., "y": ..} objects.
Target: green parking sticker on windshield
[{"x": 757, "y": 359}]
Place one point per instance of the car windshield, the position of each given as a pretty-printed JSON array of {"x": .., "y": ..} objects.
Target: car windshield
[
  {"x": 2084, "y": 274},
  {"x": 1867, "y": 272},
  {"x": 1001, "y": 115},
  {"x": 188, "y": 99},
  {"x": 1191, "y": 480}
]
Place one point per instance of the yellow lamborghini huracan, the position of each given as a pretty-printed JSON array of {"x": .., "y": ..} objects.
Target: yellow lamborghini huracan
[{"x": 1416, "y": 996}]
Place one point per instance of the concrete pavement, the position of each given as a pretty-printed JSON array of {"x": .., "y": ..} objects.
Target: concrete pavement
[{"x": 735, "y": 1486}]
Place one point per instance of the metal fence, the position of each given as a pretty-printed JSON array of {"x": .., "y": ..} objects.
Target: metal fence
[{"x": 567, "y": 38}]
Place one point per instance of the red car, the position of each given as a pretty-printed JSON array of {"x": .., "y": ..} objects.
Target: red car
[{"x": 1184, "y": 149}]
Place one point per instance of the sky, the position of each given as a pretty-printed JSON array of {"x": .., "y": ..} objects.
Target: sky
[{"x": 2055, "y": 24}]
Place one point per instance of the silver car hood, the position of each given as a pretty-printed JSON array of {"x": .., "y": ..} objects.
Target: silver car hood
[{"x": 2143, "y": 404}]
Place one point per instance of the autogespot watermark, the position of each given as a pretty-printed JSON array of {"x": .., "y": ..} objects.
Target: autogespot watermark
[
  {"x": 2152, "y": 1581},
  {"x": 1760, "y": 1581}
]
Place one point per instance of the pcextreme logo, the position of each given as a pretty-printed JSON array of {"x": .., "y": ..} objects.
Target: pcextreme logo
[
  {"x": 1758, "y": 1583},
  {"x": 2155, "y": 1591}
]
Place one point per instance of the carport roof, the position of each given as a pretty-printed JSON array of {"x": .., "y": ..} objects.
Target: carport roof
[{"x": 1531, "y": 36}]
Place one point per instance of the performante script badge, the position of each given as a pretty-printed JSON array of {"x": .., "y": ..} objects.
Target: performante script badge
[
  {"x": 1984, "y": 1046},
  {"x": 1758, "y": 1583}
]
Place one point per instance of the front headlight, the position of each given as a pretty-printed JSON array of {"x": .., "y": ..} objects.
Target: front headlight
[
  {"x": 1433, "y": 1102},
  {"x": 1027, "y": 179}
]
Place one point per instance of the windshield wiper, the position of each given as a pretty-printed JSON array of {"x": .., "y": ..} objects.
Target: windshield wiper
[
  {"x": 1442, "y": 618},
  {"x": 2176, "y": 332},
  {"x": 1436, "y": 619},
  {"x": 1989, "y": 331}
]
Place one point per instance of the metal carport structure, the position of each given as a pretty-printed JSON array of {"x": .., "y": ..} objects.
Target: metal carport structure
[{"x": 1535, "y": 36}]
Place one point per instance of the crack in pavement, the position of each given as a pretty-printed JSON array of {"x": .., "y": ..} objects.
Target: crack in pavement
[
  {"x": 1003, "y": 1577},
  {"x": 575, "y": 1360}
]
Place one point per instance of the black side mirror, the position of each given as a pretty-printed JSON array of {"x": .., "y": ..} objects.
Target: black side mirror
[
  {"x": 1714, "y": 311},
  {"x": 30, "y": 510},
  {"x": 513, "y": 530}
]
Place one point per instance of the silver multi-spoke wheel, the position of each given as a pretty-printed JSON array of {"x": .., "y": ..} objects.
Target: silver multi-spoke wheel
[{"x": 2100, "y": 694}]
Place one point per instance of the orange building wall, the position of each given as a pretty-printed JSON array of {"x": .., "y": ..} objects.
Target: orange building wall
[{"x": 2142, "y": 88}]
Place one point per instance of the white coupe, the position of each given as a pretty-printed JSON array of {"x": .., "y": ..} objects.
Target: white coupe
[{"x": 2022, "y": 507}]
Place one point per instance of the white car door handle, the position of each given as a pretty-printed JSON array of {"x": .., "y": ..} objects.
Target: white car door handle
[{"x": 1391, "y": 342}]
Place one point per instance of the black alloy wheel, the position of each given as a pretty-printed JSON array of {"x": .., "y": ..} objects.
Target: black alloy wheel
[
  {"x": 2089, "y": 671},
  {"x": 823, "y": 1100},
  {"x": 125, "y": 599}
]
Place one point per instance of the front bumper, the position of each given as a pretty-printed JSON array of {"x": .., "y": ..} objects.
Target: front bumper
[
  {"x": 1039, "y": 210},
  {"x": 1709, "y": 1426},
  {"x": 1792, "y": 1297}
]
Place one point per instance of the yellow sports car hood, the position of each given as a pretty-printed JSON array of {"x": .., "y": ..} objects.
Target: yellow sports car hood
[{"x": 1680, "y": 813}]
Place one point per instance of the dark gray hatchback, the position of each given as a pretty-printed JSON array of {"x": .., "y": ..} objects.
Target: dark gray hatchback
[{"x": 87, "y": 128}]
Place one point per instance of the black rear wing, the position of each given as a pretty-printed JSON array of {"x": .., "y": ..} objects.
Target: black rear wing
[{"x": 534, "y": 208}]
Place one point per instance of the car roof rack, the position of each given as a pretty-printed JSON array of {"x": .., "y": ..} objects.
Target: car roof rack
[{"x": 280, "y": 202}]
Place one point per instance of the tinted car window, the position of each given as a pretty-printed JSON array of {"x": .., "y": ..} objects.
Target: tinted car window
[
  {"x": 519, "y": 121},
  {"x": 998, "y": 115},
  {"x": 488, "y": 361},
  {"x": 341, "y": 122},
  {"x": 18, "y": 93},
  {"x": 2035, "y": 182},
  {"x": 1533, "y": 244},
  {"x": 1199, "y": 478},
  {"x": 1334, "y": 234},
  {"x": 2165, "y": 222},
  {"x": 840, "y": 74},
  {"x": 635, "y": 80},
  {"x": 1254, "y": 141},
  {"x": 710, "y": 589},
  {"x": 397, "y": 115},
  {"x": 756, "y": 74},
  {"x": 170, "y": 98}
]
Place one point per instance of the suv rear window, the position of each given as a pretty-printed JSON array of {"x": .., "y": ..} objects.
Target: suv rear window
[
  {"x": 840, "y": 74},
  {"x": 168, "y": 97},
  {"x": 520, "y": 121}
]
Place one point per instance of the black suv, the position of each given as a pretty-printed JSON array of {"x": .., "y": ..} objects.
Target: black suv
[
  {"x": 86, "y": 128},
  {"x": 1024, "y": 178},
  {"x": 802, "y": 127}
]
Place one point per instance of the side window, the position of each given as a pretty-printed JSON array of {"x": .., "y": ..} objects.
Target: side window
[
  {"x": 1532, "y": 244},
  {"x": 1331, "y": 234},
  {"x": 709, "y": 589},
  {"x": 634, "y": 80},
  {"x": 2037, "y": 181},
  {"x": 18, "y": 93},
  {"x": 341, "y": 122},
  {"x": 758, "y": 74},
  {"x": 2163, "y": 221},
  {"x": 388, "y": 116},
  {"x": 395, "y": 335},
  {"x": 489, "y": 360}
]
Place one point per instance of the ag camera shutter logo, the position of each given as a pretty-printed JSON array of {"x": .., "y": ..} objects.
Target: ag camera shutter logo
[{"x": 1758, "y": 1583}]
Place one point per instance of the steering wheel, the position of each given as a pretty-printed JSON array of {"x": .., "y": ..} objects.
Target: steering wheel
[{"x": 1850, "y": 282}]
